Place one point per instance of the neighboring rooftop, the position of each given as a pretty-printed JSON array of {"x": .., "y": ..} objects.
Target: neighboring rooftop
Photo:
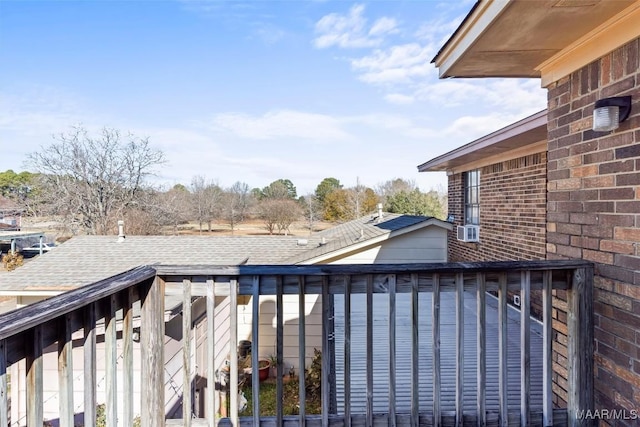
[
  {"x": 87, "y": 259},
  {"x": 361, "y": 232}
]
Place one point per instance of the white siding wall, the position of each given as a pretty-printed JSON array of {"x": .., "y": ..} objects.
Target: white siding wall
[{"x": 428, "y": 244}]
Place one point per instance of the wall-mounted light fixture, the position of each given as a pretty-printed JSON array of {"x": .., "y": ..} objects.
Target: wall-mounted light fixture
[{"x": 608, "y": 113}]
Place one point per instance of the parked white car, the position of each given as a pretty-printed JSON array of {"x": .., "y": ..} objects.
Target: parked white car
[{"x": 35, "y": 248}]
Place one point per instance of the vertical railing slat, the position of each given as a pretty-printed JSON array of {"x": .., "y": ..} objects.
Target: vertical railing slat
[
  {"x": 255, "y": 338},
  {"x": 152, "y": 354},
  {"x": 415, "y": 353},
  {"x": 34, "y": 379},
  {"x": 326, "y": 365},
  {"x": 525, "y": 348},
  {"x": 347, "y": 351},
  {"x": 302, "y": 345},
  {"x": 233, "y": 351},
  {"x": 279, "y": 352},
  {"x": 369, "y": 350},
  {"x": 127, "y": 359},
  {"x": 211, "y": 401},
  {"x": 111, "y": 359},
  {"x": 547, "y": 351},
  {"x": 392, "y": 350},
  {"x": 459, "y": 348},
  {"x": 186, "y": 353},
  {"x": 502, "y": 348},
  {"x": 435, "y": 319},
  {"x": 89, "y": 355},
  {"x": 580, "y": 346},
  {"x": 481, "y": 350},
  {"x": 4, "y": 400},
  {"x": 65, "y": 371}
]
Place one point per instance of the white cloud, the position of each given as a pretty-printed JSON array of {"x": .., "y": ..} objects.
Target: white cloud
[
  {"x": 399, "y": 98},
  {"x": 281, "y": 123},
  {"x": 397, "y": 64},
  {"x": 384, "y": 25},
  {"x": 517, "y": 96},
  {"x": 350, "y": 30}
]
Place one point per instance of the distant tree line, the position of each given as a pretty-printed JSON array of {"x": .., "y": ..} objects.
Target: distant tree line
[{"x": 90, "y": 181}]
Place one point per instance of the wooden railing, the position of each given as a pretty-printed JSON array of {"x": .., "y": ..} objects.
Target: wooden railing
[{"x": 114, "y": 306}]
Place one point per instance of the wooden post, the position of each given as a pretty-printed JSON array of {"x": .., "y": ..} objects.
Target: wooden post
[
  {"x": 525, "y": 347},
  {"x": 111, "y": 364},
  {"x": 255, "y": 334},
  {"x": 302, "y": 345},
  {"x": 415, "y": 353},
  {"x": 186, "y": 353},
  {"x": 502, "y": 349},
  {"x": 347, "y": 351},
  {"x": 4, "y": 407},
  {"x": 369, "y": 350},
  {"x": 580, "y": 347},
  {"x": 459, "y": 349},
  {"x": 481, "y": 350},
  {"x": 89, "y": 350},
  {"x": 326, "y": 366},
  {"x": 547, "y": 350},
  {"x": 279, "y": 351},
  {"x": 152, "y": 352},
  {"x": 435, "y": 321},
  {"x": 127, "y": 358},
  {"x": 212, "y": 406},
  {"x": 392, "y": 350},
  {"x": 34, "y": 379},
  {"x": 65, "y": 371}
]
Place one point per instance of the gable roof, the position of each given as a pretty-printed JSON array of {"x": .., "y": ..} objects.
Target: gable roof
[
  {"x": 87, "y": 259},
  {"x": 361, "y": 233}
]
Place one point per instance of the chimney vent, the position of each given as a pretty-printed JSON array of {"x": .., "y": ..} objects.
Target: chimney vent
[
  {"x": 121, "y": 236},
  {"x": 379, "y": 212}
]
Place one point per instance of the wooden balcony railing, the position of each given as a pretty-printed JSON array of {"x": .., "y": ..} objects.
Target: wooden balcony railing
[{"x": 107, "y": 315}]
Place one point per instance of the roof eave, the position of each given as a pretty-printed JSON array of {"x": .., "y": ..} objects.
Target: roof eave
[{"x": 514, "y": 130}]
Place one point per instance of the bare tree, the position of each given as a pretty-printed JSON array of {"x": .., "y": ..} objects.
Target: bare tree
[
  {"x": 92, "y": 180},
  {"x": 279, "y": 213},
  {"x": 362, "y": 199},
  {"x": 312, "y": 210},
  {"x": 206, "y": 199},
  {"x": 236, "y": 202}
]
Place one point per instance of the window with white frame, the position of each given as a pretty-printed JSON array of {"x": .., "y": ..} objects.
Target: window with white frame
[{"x": 472, "y": 197}]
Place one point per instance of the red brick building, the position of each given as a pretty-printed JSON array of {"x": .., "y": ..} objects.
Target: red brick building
[{"x": 583, "y": 52}]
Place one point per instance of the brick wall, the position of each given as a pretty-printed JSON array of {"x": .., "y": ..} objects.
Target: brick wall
[
  {"x": 512, "y": 215},
  {"x": 594, "y": 214},
  {"x": 512, "y": 211}
]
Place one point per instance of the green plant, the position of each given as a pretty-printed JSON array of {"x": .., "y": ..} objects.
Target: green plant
[
  {"x": 101, "y": 417},
  {"x": 313, "y": 376}
]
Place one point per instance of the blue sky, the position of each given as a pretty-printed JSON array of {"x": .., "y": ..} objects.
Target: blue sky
[{"x": 250, "y": 91}]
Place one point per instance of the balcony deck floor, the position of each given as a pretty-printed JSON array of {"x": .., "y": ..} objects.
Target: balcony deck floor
[{"x": 448, "y": 354}]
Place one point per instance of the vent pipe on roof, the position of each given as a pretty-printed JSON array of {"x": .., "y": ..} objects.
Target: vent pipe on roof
[
  {"x": 379, "y": 212},
  {"x": 121, "y": 236}
]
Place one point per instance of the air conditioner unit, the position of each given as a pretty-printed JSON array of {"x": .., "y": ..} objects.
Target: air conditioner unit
[{"x": 469, "y": 233}]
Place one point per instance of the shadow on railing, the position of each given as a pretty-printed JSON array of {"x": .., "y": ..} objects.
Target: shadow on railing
[{"x": 108, "y": 342}]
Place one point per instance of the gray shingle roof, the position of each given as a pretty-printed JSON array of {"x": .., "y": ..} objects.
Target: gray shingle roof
[
  {"x": 86, "y": 259},
  {"x": 359, "y": 231}
]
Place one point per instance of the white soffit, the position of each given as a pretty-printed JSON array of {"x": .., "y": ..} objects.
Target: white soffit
[{"x": 513, "y": 38}]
